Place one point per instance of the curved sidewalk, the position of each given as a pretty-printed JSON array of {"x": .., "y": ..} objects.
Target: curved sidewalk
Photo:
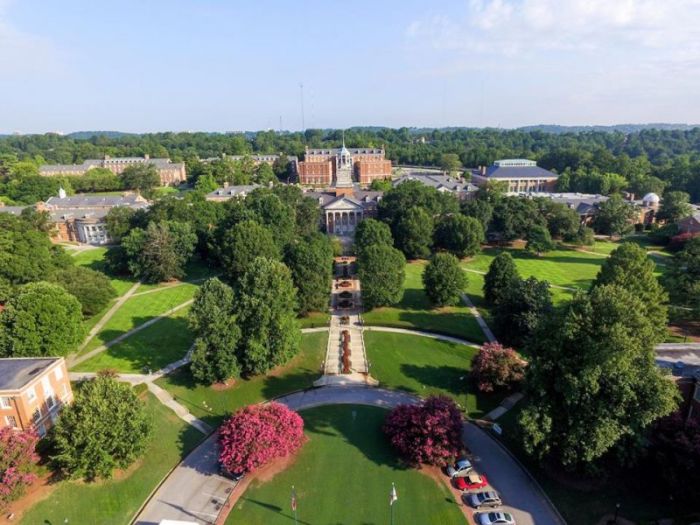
[{"x": 194, "y": 490}]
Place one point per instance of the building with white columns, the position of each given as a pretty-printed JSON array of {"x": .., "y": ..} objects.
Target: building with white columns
[{"x": 343, "y": 209}]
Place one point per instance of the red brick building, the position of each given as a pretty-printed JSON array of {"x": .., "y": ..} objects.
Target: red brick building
[{"x": 343, "y": 166}]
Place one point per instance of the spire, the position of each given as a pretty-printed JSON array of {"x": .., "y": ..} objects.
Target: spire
[{"x": 343, "y": 139}]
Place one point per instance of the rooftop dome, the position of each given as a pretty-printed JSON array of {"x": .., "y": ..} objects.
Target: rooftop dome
[{"x": 651, "y": 198}]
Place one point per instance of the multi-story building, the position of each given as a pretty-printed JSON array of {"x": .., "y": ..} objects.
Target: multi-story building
[
  {"x": 170, "y": 173},
  {"x": 343, "y": 209},
  {"x": 517, "y": 175},
  {"x": 228, "y": 192},
  {"x": 32, "y": 392},
  {"x": 441, "y": 182},
  {"x": 342, "y": 166}
]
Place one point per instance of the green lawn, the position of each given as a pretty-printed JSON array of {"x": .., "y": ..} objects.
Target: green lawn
[
  {"x": 94, "y": 259},
  {"x": 426, "y": 366},
  {"x": 196, "y": 270},
  {"x": 344, "y": 474},
  {"x": 213, "y": 405},
  {"x": 634, "y": 490},
  {"x": 314, "y": 320},
  {"x": 154, "y": 347},
  {"x": 414, "y": 311},
  {"x": 116, "y": 501},
  {"x": 137, "y": 310}
]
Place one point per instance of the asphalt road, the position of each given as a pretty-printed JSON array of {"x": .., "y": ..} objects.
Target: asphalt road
[{"x": 194, "y": 491}]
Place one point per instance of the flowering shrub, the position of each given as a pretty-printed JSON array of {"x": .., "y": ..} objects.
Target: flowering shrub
[
  {"x": 496, "y": 367},
  {"x": 257, "y": 434},
  {"x": 17, "y": 460},
  {"x": 427, "y": 433}
]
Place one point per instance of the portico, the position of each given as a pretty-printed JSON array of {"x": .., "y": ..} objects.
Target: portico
[{"x": 342, "y": 216}]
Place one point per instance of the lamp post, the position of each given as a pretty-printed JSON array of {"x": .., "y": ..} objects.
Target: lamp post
[{"x": 617, "y": 510}]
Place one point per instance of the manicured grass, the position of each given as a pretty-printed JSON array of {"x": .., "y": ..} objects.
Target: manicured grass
[
  {"x": 343, "y": 474},
  {"x": 426, "y": 366},
  {"x": 152, "y": 348},
  {"x": 213, "y": 405},
  {"x": 115, "y": 502},
  {"x": 94, "y": 259},
  {"x": 634, "y": 489},
  {"x": 315, "y": 320},
  {"x": 196, "y": 270},
  {"x": 137, "y": 310},
  {"x": 415, "y": 312}
]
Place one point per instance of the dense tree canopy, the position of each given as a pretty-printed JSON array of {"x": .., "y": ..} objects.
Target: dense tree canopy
[
  {"x": 444, "y": 280},
  {"x": 382, "y": 272},
  {"x": 141, "y": 177},
  {"x": 413, "y": 232},
  {"x": 523, "y": 307},
  {"x": 539, "y": 240},
  {"x": 93, "y": 289},
  {"x": 242, "y": 244},
  {"x": 683, "y": 277},
  {"x": 311, "y": 262},
  {"x": 674, "y": 206},
  {"x": 500, "y": 278},
  {"x": 614, "y": 217},
  {"x": 460, "y": 235},
  {"x": 370, "y": 232}
]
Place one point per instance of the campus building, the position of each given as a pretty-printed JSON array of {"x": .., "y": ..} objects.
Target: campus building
[
  {"x": 32, "y": 392},
  {"x": 170, "y": 173},
  {"x": 342, "y": 166},
  {"x": 258, "y": 159},
  {"x": 517, "y": 176},
  {"x": 441, "y": 182},
  {"x": 343, "y": 209},
  {"x": 227, "y": 192},
  {"x": 690, "y": 224}
]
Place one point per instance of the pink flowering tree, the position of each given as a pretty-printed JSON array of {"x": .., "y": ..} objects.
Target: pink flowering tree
[
  {"x": 428, "y": 433},
  {"x": 496, "y": 367},
  {"x": 257, "y": 434},
  {"x": 17, "y": 462}
]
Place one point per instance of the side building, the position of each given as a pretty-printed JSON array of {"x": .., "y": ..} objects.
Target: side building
[
  {"x": 517, "y": 175},
  {"x": 32, "y": 392},
  {"x": 441, "y": 182},
  {"x": 343, "y": 167},
  {"x": 170, "y": 173}
]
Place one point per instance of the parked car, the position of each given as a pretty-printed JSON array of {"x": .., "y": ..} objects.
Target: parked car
[
  {"x": 486, "y": 498},
  {"x": 494, "y": 518},
  {"x": 461, "y": 468},
  {"x": 235, "y": 476},
  {"x": 471, "y": 481}
]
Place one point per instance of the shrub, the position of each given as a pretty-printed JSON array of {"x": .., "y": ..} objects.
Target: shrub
[
  {"x": 17, "y": 461},
  {"x": 497, "y": 367},
  {"x": 429, "y": 433},
  {"x": 257, "y": 434}
]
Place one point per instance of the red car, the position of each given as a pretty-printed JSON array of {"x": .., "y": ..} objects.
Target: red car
[{"x": 471, "y": 482}]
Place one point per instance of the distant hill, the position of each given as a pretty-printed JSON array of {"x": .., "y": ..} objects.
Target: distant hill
[{"x": 624, "y": 128}]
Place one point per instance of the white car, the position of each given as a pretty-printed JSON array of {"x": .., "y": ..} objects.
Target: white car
[
  {"x": 495, "y": 518},
  {"x": 461, "y": 468},
  {"x": 486, "y": 498}
]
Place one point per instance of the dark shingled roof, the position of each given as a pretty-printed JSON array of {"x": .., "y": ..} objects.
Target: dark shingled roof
[
  {"x": 17, "y": 372},
  {"x": 518, "y": 172}
]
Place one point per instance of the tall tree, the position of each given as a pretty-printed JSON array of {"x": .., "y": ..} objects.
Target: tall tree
[
  {"x": 683, "y": 277},
  {"x": 413, "y": 233},
  {"x": 265, "y": 308},
  {"x": 92, "y": 288},
  {"x": 479, "y": 208},
  {"x": 444, "y": 280},
  {"x": 525, "y": 305},
  {"x": 42, "y": 319},
  {"x": 501, "y": 276},
  {"x": 26, "y": 254},
  {"x": 675, "y": 206},
  {"x": 311, "y": 263},
  {"x": 119, "y": 222},
  {"x": 140, "y": 177},
  {"x": 614, "y": 217},
  {"x": 370, "y": 232},
  {"x": 242, "y": 244},
  {"x": 539, "y": 240},
  {"x": 459, "y": 235},
  {"x": 603, "y": 394},
  {"x": 382, "y": 272}
]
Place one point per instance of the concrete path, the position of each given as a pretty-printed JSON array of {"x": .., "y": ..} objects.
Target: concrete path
[
  {"x": 480, "y": 272},
  {"x": 184, "y": 414},
  {"x": 106, "y": 317},
  {"x": 314, "y": 330},
  {"x": 479, "y": 319},
  {"x": 421, "y": 333},
  {"x": 195, "y": 492},
  {"x": 505, "y": 406},
  {"x": 92, "y": 353}
]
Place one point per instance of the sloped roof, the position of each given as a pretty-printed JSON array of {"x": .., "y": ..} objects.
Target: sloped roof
[
  {"x": 518, "y": 172},
  {"x": 17, "y": 372}
]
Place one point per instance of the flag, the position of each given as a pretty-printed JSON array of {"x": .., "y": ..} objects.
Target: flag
[
  {"x": 392, "y": 495},
  {"x": 294, "y": 499}
]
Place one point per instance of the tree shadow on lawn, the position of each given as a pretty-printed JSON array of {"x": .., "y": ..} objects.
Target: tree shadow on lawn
[
  {"x": 454, "y": 381},
  {"x": 457, "y": 324}
]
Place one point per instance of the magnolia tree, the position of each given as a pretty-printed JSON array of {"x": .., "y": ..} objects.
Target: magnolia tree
[
  {"x": 497, "y": 367},
  {"x": 17, "y": 461},
  {"x": 257, "y": 434},
  {"x": 429, "y": 433}
]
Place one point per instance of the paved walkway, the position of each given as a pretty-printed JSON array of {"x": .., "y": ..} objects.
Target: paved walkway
[
  {"x": 479, "y": 319},
  {"x": 195, "y": 492},
  {"x": 421, "y": 333},
  {"x": 480, "y": 272}
]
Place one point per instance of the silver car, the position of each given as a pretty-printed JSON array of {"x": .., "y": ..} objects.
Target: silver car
[
  {"x": 461, "y": 468},
  {"x": 495, "y": 518},
  {"x": 486, "y": 498}
]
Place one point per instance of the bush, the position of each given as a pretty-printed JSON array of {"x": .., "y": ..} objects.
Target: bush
[
  {"x": 444, "y": 280},
  {"x": 257, "y": 434},
  {"x": 429, "y": 433},
  {"x": 496, "y": 367},
  {"x": 17, "y": 462},
  {"x": 93, "y": 289}
]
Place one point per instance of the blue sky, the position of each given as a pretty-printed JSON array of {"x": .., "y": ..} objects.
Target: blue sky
[{"x": 153, "y": 65}]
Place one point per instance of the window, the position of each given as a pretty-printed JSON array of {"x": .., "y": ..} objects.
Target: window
[
  {"x": 31, "y": 395},
  {"x": 58, "y": 373},
  {"x": 10, "y": 421},
  {"x": 5, "y": 402},
  {"x": 36, "y": 416}
]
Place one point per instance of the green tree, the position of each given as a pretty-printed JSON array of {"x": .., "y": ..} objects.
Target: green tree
[
  {"x": 630, "y": 268},
  {"x": 370, "y": 232},
  {"x": 264, "y": 174},
  {"x": 119, "y": 221},
  {"x": 614, "y": 217},
  {"x": 606, "y": 392},
  {"x": 380, "y": 185},
  {"x": 282, "y": 168},
  {"x": 525, "y": 305},
  {"x": 26, "y": 254},
  {"x": 562, "y": 221},
  {"x": 214, "y": 357},
  {"x": 160, "y": 252},
  {"x": 92, "y": 288},
  {"x": 311, "y": 263},
  {"x": 480, "y": 208},
  {"x": 514, "y": 217},
  {"x": 141, "y": 177},
  {"x": 539, "y": 240},
  {"x": 410, "y": 194},
  {"x": 382, "y": 271},
  {"x": 459, "y": 235},
  {"x": 413, "y": 233},
  {"x": 242, "y": 244},
  {"x": 272, "y": 212},
  {"x": 450, "y": 162},
  {"x": 106, "y": 427},
  {"x": 265, "y": 307},
  {"x": 41, "y": 320},
  {"x": 444, "y": 280},
  {"x": 206, "y": 184},
  {"x": 502, "y": 276},
  {"x": 675, "y": 206},
  {"x": 683, "y": 277}
]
